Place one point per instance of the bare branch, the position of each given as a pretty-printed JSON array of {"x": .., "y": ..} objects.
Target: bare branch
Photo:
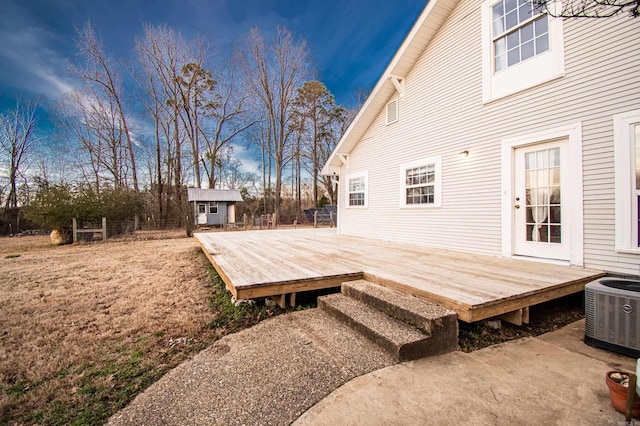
[{"x": 589, "y": 8}]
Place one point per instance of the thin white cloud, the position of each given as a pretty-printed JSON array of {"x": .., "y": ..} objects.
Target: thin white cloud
[
  {"x": 29, "y": 63},
  {"x": 249, "y": 163}
]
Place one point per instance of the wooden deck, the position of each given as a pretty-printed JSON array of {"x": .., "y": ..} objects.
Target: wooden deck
[{"x": 256, "y": 264}]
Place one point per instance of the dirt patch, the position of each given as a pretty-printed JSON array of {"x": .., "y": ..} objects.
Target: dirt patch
[{"x": 86, "y": 327}]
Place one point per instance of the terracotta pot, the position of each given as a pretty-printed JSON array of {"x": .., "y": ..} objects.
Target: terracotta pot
[{"x": 618, "y": 394}]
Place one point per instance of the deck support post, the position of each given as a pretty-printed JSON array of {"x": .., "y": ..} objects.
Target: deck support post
[
  {"x": 282, "y": 299},
  {"x": 517, "y": 317}
]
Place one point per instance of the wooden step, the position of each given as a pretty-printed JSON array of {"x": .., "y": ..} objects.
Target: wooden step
[
  {"x": 434, "y": 320},
  {"x": 401, "y": 340}
]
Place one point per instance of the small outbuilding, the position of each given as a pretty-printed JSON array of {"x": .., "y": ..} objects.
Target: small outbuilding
[{"x": 213, "y": 206}]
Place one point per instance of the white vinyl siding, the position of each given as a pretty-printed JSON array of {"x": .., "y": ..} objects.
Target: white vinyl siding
[
  {"x": 627, "y": 167},
  {"x": 443, "y": 114}
]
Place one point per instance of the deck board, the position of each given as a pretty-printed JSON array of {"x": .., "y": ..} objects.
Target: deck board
[{"x": 264, "y": 263}]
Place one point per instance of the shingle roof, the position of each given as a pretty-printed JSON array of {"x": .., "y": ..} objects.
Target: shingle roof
[{"x": 198, "y": 194}]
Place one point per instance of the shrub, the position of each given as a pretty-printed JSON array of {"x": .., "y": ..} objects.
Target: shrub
[{"x": 55, "y": 206}]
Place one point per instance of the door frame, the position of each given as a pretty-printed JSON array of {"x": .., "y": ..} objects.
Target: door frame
[
  {"x": 204, "y": 215},
  {"x": 574, "y": 201}
]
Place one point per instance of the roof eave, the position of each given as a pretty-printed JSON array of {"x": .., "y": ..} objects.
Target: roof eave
[{"x": 433, "y": 15}]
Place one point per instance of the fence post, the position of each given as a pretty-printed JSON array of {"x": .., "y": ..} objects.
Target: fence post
[
  {"x": 104, "y": 229},
  {"x": 315, "y": 218},
  {"x": 75, "y": 230},
  {"x": 331, "y": 219},
  {"x": 274, "y": 222}
]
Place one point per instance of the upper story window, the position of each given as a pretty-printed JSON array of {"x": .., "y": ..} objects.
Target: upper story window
[
  {"x": 519, "y": 32},
  {"x": 213, "y": 207},
  {"x": 421, "y": 183},
  {"x": 521, "y": 47},
  {"x": 357, "y": 190},
  {"x": 626, "y": 138}
]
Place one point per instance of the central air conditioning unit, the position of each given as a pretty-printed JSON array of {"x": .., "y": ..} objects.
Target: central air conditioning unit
[{"x": 612, "y": 310}]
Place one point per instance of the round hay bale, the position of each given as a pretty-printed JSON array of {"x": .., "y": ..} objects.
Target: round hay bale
[{"x": 56, "y": 238}]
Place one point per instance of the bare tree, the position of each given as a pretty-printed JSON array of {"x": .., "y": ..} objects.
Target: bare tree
[
  {"x": 589, "y": 8},
  {"x": 227, "y": 121},
  {"x": 17, "y": 140},
  {"x": 272, "y": 74},
  {"x": 162, "y": 54},
  {"x": 92, "y": 120},
  {"x": 98, "y": 71}
]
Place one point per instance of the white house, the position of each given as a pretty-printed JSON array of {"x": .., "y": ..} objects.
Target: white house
[
  {"x": 214, "y": 206},
  {"x": 502, "y": 131}
]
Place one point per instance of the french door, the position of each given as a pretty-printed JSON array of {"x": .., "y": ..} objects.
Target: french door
[{"x": 540, "y": 214}]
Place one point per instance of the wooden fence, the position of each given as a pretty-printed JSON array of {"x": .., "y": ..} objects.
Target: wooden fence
[{"x": 92, "y": 231}]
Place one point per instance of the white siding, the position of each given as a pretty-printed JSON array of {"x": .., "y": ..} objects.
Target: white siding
[{"x": 441, "y": 113}]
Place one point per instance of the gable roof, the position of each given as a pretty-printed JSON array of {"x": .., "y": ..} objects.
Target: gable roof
[
  {"x": 198, "y": 194},
  {"x": 432, "y": 17}
]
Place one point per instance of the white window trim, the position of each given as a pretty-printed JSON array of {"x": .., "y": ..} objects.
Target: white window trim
[
  {"x": 217, "y": 207},
  {"x": 574, "y": 203},
  {"x": 537, "y": 70},
  {"x": 204, "y": 207},
  {"x": 624, "y": 160},
  {"x": 365, "y": 175},
  {"x": 437, "y": 186}
]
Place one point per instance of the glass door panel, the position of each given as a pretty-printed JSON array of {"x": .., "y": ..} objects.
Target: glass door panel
[{"x": 543, "y": 196}]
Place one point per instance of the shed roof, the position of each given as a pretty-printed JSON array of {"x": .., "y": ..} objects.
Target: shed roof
[
  {"x": 432, "y": 17},
  {"x": 198, "y": 194}
]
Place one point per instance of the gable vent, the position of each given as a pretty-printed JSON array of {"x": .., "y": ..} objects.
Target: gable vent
[{"x": 392, "y": 112}]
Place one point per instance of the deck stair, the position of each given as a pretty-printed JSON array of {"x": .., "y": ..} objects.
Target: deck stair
[{"x": 405, "y": 326}]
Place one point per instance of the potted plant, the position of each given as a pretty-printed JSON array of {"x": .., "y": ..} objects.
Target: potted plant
[{"x": 618, "y": 383}]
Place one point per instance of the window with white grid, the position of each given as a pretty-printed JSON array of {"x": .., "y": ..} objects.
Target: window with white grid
[
  {"x": 519, "y": 32},
  {"x": 421, "y": 183},
  {"x": 357, "y": 190},
  {"x": 522, "y": 46}
]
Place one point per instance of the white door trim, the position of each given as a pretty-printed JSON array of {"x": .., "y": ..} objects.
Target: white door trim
[
  {"x": 202, "y": 218},
  {"x": 572, "y": 132}
]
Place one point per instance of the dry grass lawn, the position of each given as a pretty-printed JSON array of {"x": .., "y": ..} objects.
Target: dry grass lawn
[{"x": 83, "y": 328}]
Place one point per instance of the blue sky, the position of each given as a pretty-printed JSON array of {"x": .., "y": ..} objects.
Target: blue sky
[{"x": 351, "y": 41}]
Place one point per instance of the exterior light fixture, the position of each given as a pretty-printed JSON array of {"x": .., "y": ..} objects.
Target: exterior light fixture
[{"x": 464, "y": 154}]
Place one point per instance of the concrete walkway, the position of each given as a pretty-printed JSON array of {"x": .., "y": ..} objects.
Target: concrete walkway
[
  {"x": 266, "y": 375},
  {"x": 554, "y": 379},
  {"x": 273, "y": 372}
]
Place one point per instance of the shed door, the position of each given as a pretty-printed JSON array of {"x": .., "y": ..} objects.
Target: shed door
[
  {"x": 541, "y": 219},
  {"x": 202, "y": 214}
]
